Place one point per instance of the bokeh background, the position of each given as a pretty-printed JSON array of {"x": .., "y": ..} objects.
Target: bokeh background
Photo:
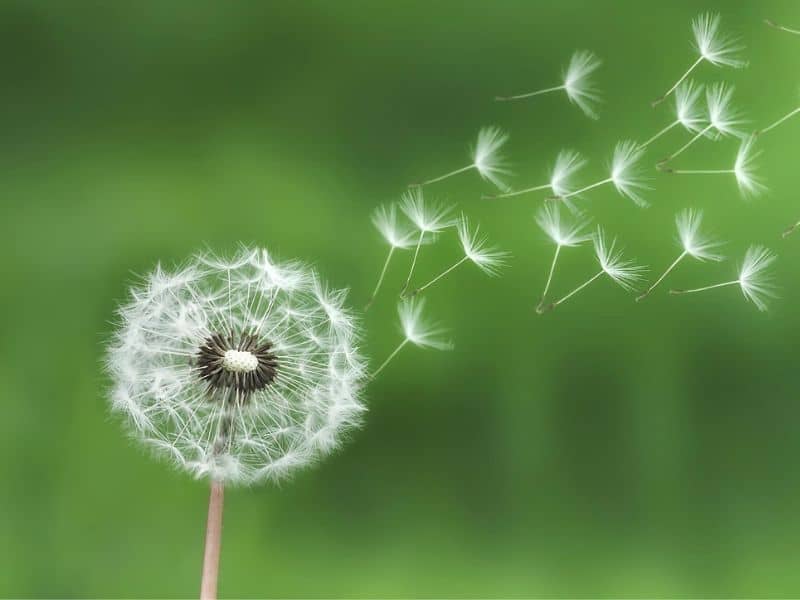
[{"x": 607, "y": 448}]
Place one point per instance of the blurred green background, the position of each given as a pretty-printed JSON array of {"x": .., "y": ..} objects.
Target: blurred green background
[{"x": 607, "y": 448}]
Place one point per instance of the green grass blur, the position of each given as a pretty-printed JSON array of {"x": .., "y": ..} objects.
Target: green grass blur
[{"x": 608, "y": 448}]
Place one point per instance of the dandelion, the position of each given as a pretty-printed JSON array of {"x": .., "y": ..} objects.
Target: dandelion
[
  {"x": 562, "y": 235},
  {"x": 743, "y": 169},
  {"x": 623, "y": 272},
  {"x": 417, "y": 330},
  {"x": 577, "y": 83},
  {"x": 486, "y": 159},
  {"x": 429, "y": 219},
  {"x": 694, "y": 243},
  {"x": 568, "y": 162},
  {"x": 688, "y": 112},
  {"x": 711, "y": 45},
  {"x": 625, "y": 174},
  {"x": 772, "y": 23},
  {"x": 239, "y": 371},
  {"x": 488, "y": 259},
  {"x": 786, "y": 117},
  {"x": 385, "y": 220},
  {"x": 723, "y": 119},
  {"x": 754, "y": 281}
]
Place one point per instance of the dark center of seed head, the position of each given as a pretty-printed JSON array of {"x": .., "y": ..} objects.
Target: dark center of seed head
[{"x": 243, "y": 366}]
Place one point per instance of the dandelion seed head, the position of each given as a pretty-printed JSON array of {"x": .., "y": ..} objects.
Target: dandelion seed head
[
  {"x": 241, "y": 369},
  {"x": 614, "y": 264},
  {"x": 722, "y": 116},
  {"x": 578, "y": 83},
  {"x": 744, "y": 169},
  {"x": 384, "y": 218},
  {"x": 626, "y": 173},
  {"x": 489, "y": 259},
  {"x": 718, "y": 48},
  {"x": 428, "y": 217},
  {"x": 688, "y": 109},
  {"x": 486, "y": 156},
  {"x": 417, "y": 329},
  {"x": 754, "y": 280},
  {"x": 568, "y": 163},
  {"x": 565, "y": 235},
  {"x": 693, "y": 241}
]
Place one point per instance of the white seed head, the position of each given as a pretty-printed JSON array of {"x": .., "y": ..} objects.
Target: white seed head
[
  {"x": 688, "y": 110},
  {"x": 611, "y": 260},
  {"x": 384, "y": 218},
  {"x": 714, "y": 46},
  {"x": 489, "y": 259},
  {"x": 744, "y": 169},
  {"x": 722, "y": 116},
  {"x": 566, "y": 235},
  {"x": 693, "y": 241},
  {"x": 427, "y": 217},
  {"x": 755, "y": 282},
  {"x": 240, "y": 370},
  {"x": 417, "y": 329},
  {"x": 486, "y": 157},
  {"x": 568, "y": 162},
  {"x": 578, "y": 83},
  {"x": 626, "y": 173}
]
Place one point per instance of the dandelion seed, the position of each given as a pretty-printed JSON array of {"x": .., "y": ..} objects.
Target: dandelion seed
[
  {"x": 713, "y": 46},
  {"x": 399, "y": 238},
  {"x": 237, "y": 370},
  {"x": 688, "y": 112},
  {"x": 723, "y": 119},
  {"x": 429, "y": 220},
  {"x": 743, "y": 169},
  {"x": 694, "y": 243},
  {"x": 786, "y": 117},
  {"x": 417, "y": 330},
  {"x": 562, "y": 235},
  {"x": 488, "y": 259},
  {"x": 623, "y": 272},
  {"x": 577, "y": 83},
  {"x": 486, "y": 159},
  {"x": 772, "y": 23},
  {"x": 754, "y": 281},
  {"x": 625, "y": 174},
  {"x": 791, "y": 229},
  {"x": 568, "y": 162}
]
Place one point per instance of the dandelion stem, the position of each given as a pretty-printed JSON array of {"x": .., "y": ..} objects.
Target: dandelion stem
[
  {"x": 445, "y": 176},
  {"x": 790, "y": 230},
  {"x": 586, "y": 189},
  {"x": 572, "y": 293},
  {"x": 380, "y": 279},
  {"x": 658, "y": 101},
  {"x": 389, "y": 358},
  {"x": 208, "y": 583},
  {"x": 518, "y": 192},
  {"x": 550, "y": 274},
  {"x": 413, "y": 262},
  {"x": 529, "y": 94},
  {"x": 701, "y": 171},
  {"x": 660, "y": 279},
  {"x": 439, "y": 276},
  {"x": 703, "y": 289},
  {"x": 659, "y": 134},
  {"x": 772, "y": 23},
  {"x": 685, "y": 146},
  {"x": 781, "y": 120}
]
